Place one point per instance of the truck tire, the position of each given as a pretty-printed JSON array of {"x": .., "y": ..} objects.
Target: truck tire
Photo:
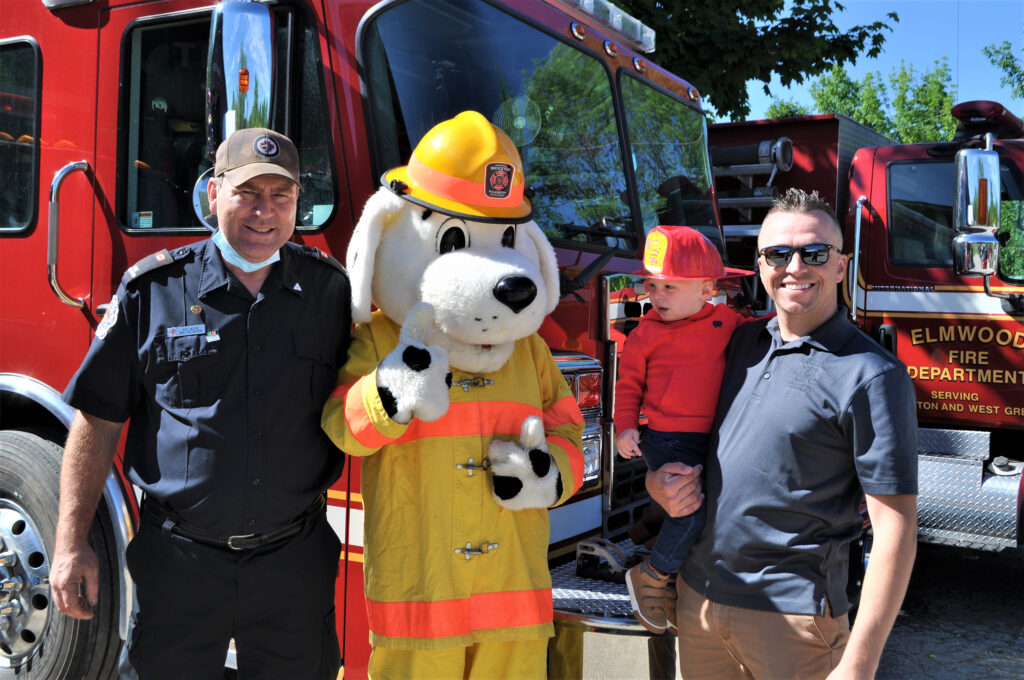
[{"x": 36, "y": 640}]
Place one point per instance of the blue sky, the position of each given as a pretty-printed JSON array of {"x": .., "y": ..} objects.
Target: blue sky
[{"x": 927, "y": 31}]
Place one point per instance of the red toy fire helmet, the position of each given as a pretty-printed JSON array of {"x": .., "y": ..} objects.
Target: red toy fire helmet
[{"x": 683, "y": 253}]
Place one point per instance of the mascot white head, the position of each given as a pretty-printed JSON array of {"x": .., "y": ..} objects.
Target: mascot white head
[{"x": 453, "y": 229}]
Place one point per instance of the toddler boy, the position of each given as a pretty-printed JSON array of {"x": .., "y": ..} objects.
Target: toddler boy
[{"x": 671, "y": 368}]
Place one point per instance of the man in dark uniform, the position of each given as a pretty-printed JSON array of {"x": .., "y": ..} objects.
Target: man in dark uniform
[{"x": 222, "y": 354}]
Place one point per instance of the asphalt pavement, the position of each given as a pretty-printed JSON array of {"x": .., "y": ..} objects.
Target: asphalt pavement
[{"x": 962, "y": 619}]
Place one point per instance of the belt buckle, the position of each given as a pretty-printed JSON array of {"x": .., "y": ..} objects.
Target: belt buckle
[{"x": 243, "y": 542}]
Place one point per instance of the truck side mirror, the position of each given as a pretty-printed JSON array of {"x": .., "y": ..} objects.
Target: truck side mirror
[
  {"x": 239, "y": 80},
  {"x": 976, "y": 212},
  {"x": 239, "y": 70}
]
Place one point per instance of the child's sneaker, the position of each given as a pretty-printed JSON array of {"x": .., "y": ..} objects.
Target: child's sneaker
[
  {"x": 648, "y": 597},
  {"x": 671, "y": 597}
]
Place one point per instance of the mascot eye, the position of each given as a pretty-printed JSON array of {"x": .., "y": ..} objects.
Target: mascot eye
[
  {"x": 452, "y": 238},
  {"x": 508, "y": 238}
]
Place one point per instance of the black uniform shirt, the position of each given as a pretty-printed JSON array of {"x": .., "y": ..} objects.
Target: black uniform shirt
[{"x": 224, "y": 392}]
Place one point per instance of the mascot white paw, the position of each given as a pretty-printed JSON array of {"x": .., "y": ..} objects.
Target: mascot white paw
[
  {"x": 413, "y": 380},
  {"x": 523, "y": 474}
]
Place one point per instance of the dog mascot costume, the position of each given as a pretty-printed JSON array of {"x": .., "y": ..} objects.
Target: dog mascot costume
[{"x": 468, "y": 431}]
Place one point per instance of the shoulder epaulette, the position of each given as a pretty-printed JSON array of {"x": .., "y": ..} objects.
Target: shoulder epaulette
[
  {"x": 151, "y": 262},
  {"x": 323, "y": 256}
]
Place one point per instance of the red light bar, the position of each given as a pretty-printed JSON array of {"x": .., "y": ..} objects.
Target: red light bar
[{"x": 979, "y": 117}]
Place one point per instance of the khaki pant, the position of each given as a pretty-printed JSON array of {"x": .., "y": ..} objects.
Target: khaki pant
[
  {"x": 482, "y": 661},
  {"x": 722, "y": 642}
]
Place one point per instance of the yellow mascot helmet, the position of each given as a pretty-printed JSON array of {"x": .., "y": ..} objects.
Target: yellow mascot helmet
[{"x": 465, "y": 167}]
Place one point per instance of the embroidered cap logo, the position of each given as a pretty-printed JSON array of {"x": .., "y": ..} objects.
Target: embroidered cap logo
[{"x": 265, "y": 146}]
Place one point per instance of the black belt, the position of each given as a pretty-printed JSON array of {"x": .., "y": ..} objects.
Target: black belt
[{"x": 172, "y": 524}]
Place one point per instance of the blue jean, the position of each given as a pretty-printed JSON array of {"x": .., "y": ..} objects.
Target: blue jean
[{"x": 677, "y": 534}]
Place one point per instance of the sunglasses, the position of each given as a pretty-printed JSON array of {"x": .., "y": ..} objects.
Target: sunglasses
[{"x": 814, "y": 254}]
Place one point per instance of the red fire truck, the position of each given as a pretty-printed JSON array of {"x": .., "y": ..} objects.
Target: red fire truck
[
  {"x": 109, "y": 112},
  {"x": 928, "y": 227}
]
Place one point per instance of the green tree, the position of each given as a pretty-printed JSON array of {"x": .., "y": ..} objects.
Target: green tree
[
  {"x": 864, "y": 101},
  {"x": 719, "y": 46},
  {"x": 1001, "y": 56},
  {"x": 913, "y": 107},
  {"x": 783, "y": 108},
  {"x": 920, "y": 107},
  {"x": 1011, "y": 232}
]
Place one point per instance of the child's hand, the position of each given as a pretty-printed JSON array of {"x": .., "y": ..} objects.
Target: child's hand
[{"x": 627, "y": 443}]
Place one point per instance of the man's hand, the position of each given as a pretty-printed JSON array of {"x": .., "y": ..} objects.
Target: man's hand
[
  {"x": 628, "y": 443},
  {"x": 74, "y": 581},
  {"x": 74, "y": 570},
  {"x": 676, "y": 487}
]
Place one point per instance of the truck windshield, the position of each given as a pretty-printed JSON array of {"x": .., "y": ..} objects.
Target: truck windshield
[
  {"x": 428, "y": 60},
  {"x": 668, "y": 140},
  {"x": 921, "y": 217}
]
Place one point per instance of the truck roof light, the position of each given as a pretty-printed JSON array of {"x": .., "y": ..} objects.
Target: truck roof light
[
  {"x": 979, "y": 117},
  {"x": 629, "y": 28}
]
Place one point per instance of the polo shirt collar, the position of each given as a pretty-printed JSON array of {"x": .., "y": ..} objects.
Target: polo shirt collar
[{"x": 829, "y": 336}]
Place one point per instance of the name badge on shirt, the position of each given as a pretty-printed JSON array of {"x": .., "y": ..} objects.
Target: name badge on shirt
[{"x": 178, "y": 331}]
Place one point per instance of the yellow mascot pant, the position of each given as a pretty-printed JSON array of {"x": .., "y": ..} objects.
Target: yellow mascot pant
[{"x": 484, "y": 660}]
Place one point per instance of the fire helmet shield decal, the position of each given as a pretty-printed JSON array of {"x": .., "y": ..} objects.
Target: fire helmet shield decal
[
  {"x": 654, "y": 252},
  {"x": 499, "y": 180}
]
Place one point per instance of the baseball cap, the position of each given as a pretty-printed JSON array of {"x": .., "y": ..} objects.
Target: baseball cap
[{"x": 251, "y": 152}]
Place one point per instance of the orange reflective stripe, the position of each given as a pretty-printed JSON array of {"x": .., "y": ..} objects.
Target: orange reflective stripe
[
  {"x": 358, "y": 420},
  {"x": 562, "y": 412},
  {"x": 575, "y": 458},
  {"x": 458, "y": 189},
  {"x": 473, "y": 418},
  {"x": 448, "y": 618}
]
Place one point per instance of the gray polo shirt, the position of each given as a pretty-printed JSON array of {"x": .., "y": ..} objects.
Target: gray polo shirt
[{"x": 803, "y": 428}]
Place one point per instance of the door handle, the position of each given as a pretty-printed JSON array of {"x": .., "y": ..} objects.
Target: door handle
[{"x": 52, "y": 231}]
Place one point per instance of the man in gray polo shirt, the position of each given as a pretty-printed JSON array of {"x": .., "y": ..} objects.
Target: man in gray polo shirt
[{"x": 812, "y": 415}]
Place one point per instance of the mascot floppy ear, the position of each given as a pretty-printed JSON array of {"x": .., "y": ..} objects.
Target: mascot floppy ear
[
  {"x": 378, "y": 213},
  {"x": 548, "y": 264}
]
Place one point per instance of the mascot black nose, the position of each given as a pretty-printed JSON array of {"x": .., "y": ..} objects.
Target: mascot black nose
[{"x": 515, "y": 292}]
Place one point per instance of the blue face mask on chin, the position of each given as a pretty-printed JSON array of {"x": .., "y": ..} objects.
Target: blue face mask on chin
[{"x": 231, "y": 255}]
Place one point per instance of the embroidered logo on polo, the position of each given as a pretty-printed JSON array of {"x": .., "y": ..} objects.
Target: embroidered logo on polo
[
  {"x": 265, "y": 146},
  {"x": 806, "y": 375},
  {"x": 499, "y": 179}
]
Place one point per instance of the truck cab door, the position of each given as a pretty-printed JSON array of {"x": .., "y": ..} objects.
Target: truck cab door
[
  {"x": 48, "y": 82},
  {"x": 960, "y": 345},
  {"x": 151, "y": 141}
]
